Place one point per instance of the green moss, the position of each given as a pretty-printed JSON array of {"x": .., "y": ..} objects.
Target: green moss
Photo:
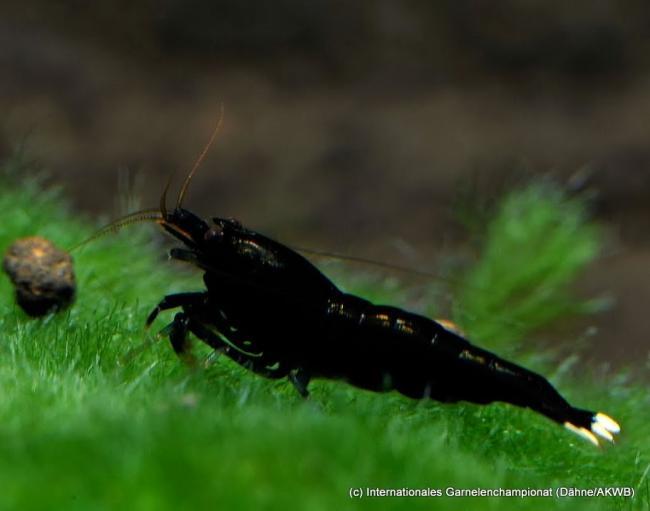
[
  {"x": 85, "y": 426},
  {"x": 536, "y": 245}
]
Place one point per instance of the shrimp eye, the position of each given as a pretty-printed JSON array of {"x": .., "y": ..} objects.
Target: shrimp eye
[{"x": 214, "y": 233}]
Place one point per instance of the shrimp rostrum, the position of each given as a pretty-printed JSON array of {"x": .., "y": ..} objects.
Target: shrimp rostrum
[{"x": 269, "y": 309}]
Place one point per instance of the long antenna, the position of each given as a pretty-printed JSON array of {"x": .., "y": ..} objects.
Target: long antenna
[
  {"x": 163, "y": 197},
  {"x": 371, "y": 262},
  {"x": 199, "y": 160},
  {"x": 146, "y": 215}
]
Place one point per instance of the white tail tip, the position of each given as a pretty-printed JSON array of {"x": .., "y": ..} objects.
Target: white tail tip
[
  {"x": 601, "y": 424},
  {"x": 583, "y": 432},
  {"x": 607, "y": 422}
]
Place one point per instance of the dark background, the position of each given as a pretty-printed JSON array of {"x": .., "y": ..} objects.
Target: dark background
[{"x": 360, "y": 127}]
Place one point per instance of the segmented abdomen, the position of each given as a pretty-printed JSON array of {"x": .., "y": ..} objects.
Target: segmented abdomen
[{"x": 381, "y": 348}]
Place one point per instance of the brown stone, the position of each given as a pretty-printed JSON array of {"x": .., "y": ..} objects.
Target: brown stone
[{"x": 42, "y": 275}]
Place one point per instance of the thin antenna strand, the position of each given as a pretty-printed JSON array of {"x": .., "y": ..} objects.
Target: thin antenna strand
[
  {"x": 199, "y": 160},
  {"x": 146, "y": 215},
  {"x": 372, "y": 262},
  {"x": 163, "y": 197}
]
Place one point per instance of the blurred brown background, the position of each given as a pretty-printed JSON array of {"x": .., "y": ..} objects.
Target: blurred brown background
[{"x": 358, "y": 127}]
